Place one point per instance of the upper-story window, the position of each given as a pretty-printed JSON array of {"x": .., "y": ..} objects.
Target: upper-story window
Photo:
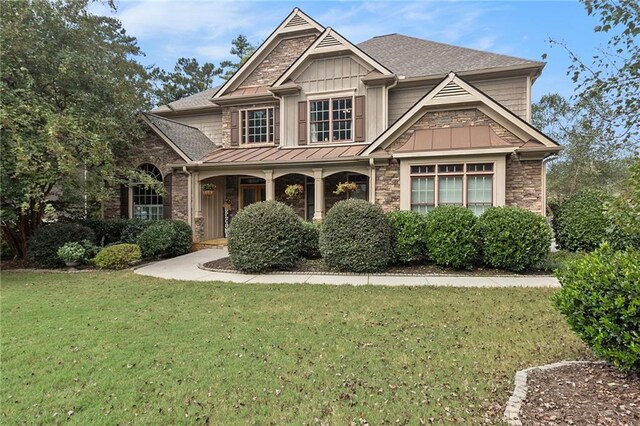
[
  {"x": 331, "y": 119},
  {"x": 256, "y": 125}
]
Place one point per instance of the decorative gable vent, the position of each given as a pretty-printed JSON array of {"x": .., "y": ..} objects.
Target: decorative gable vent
[
  {"x": 451, "y": 89},
  {"x": 329, "y": 41},
  {"x": 296, "y": 21}
]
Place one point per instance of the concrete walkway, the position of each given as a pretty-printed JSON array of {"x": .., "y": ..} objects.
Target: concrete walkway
[{"x": 186, "y": 268}]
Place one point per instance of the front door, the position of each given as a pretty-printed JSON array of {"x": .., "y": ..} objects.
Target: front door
[{"x": 252, "y": 190}]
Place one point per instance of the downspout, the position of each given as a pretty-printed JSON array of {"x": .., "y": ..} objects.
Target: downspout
[
  {"x": 372, "y": 181},
  {"x": 386, "y": 101}
]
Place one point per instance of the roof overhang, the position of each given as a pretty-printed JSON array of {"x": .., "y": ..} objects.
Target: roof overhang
[{"x": 532, "y": 71}]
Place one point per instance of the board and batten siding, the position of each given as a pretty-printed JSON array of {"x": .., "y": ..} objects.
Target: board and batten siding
[
  {"x": 209, "y": 124},
  {"x": 332, "y": 76},
  {"x": 511, "y": 92}
]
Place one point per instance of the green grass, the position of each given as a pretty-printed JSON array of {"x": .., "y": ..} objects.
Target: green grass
[{"x": 119, "y": 348}]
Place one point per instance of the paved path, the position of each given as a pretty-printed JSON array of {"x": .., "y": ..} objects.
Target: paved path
[{"x": 186, "y": 268}]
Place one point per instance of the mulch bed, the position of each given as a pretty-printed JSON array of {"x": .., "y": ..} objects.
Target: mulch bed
[
  {"x": 318, "y": 266},
  {"x": 582, "y": 394}
]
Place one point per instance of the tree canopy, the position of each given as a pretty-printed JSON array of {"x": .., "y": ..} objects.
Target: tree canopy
[{"x": 70, "y": 88}]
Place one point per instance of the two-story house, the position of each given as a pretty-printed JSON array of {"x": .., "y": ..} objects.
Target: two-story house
[{"x": 414, "y": 123}]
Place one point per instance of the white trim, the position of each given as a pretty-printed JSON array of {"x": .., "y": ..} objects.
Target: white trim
[
  {"x": 346, "y": 46},
  {"x": 311, "y": 96},
  {"x": 500, "y": 114},
  {"x": 330, "y": 100},
  {"x": 265, "y": 48},
  {"x": 245, "y": 142},
  {"x": 499, "y": 176},
  {"x": 450, "y": 153}
]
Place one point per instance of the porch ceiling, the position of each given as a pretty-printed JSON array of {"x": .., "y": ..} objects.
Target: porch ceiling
[{"x": 270, "y": 154}]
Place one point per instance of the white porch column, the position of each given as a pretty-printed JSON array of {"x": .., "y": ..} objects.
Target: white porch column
[
  {"x": 318, "y": 189},
  {"x": 197, "y": 194},
  {"x": 270, "y": 187}
]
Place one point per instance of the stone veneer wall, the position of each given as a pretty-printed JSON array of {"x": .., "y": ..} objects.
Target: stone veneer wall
[
  {"x": 155, "y": 151},
  {"x": 523, "y": 178},
  {"x": 276, "y": 63}
]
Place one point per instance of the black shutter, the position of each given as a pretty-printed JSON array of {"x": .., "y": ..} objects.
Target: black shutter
[
  {"x": 124, "y": 201},
  {"x": 166, "y": 198}
]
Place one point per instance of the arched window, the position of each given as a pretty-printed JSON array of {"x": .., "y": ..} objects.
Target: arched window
[{"x": 147, "y": 204}]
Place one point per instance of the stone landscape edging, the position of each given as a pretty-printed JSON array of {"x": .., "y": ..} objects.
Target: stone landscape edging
[{"x": 514, "y": 405}]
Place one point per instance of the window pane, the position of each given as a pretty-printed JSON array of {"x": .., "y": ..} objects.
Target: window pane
[
  {"x": 479, "y": 193},
  {"x": 482, "y": 167},
  {"x": 342, "y": 119},
  {"x": 319, "y": 120},
  {"x": 422, "y": 192},
  {"x": 450, "y": 190},
  {"x": 147, "y": 203},
  {"x": 257, "y": 126},
  {"x": 422, "y": 169},
  {"x": 450, "y": 168}
]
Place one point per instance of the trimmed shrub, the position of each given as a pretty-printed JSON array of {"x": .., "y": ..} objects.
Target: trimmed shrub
[
  {"x": 72, "y": 252},
  {"x": 600, "y": 297},
  {"x": 133, "y": 228},
  {"x": 264, "y": 236},
  {"x": 108, "y": 231},
  {"x": 181, "y": 239},
  {"x": 155, "y": 240},
  {"x": 580, "y": 223},
  {"x": 46, "y": 240},
  {"x": 356, "y": 236},
  {"x": 513, "y": 238},
  {"x": 450, "y": 236},
  {"x": 408, "y": 228},
  {"x": 310, "y": 240},
  {"x": 118, "y": 256}
]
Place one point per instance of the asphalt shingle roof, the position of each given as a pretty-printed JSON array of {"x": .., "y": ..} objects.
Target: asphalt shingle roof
[
  {"x": 415, "y": 57},
  {"x": 198, "y": 100},
  {"x": 188, "y": 139}
]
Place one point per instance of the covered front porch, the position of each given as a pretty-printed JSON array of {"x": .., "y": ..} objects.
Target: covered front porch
[{"x": 233, "y": 190}]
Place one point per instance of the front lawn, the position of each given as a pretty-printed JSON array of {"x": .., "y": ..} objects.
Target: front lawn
[{"x": 117, "y": 348}]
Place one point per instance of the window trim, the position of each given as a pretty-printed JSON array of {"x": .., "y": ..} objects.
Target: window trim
[
  {"x": 133, "y": 185},
  {"x": 270, "y": 124},
  {"x": 331, "y": 97},
  {"x": 498, "y": 190}
]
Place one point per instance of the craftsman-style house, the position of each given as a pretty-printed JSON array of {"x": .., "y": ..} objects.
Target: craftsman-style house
[{"x": 412, "y": 123}]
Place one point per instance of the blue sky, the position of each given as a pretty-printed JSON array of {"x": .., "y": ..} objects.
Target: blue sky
[{"x": 167, "y": 30}]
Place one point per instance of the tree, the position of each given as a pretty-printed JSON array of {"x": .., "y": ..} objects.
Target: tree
[
  {"x": 188, "y": 78},
  {"x": 70, "y": 88},
  {"x": 242, "y": 49},
  {"x": 588, "y": 159},
  {"x": 613, "y": 75}
]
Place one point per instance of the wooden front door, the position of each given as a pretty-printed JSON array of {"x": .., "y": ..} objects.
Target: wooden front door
[{"x": 251, "y": 191}]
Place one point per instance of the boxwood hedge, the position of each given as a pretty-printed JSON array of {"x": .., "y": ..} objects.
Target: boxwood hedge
[
  {"x": 450, "y": 236},
  {"x": 580, "y": 223},
  {"x": 409, "y": 232}
]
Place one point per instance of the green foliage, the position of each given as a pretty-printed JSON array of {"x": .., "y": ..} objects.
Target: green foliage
[
  {"x": 72, "y": 252},
  {"x": 133, "y": 228},
  {"x": 579, "y": 223},
  {"x": 409, "y": 230},
  {"x": 44, "y": 245},
  {"x": 265, "y": 236},
  {"x": 118, "y": 256},
  {"x": 241, "y": 49},
  {"x": 512, "y": 238},
  {"x": 450, "y": 236},
  {"x": 188, "y": 78},
  {"x": 623, "y": 213},
  {"x": 557, "y": 259},
  {"x": 70, "y": 87},
  {"x": 600, "y": 297},
  {"x": 310, "y": 240},
  {"x": 108, "y": 231},
  {"x": 356, "y": 236},
  {"x": 165, "y": 238}
]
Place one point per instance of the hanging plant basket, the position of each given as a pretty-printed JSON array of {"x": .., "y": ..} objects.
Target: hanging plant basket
[
  {"x": 345, "y": 188},
  {"x": 208, "y": 189},
  {"x": 293, "y": 192}
]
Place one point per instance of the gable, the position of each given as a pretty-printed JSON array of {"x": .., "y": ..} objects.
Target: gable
[
  {"x": 297, "y": 25},
  {"x": 327, "y": 74}
]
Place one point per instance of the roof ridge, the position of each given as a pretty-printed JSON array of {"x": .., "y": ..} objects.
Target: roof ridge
[{"x": 486, "y": 52}]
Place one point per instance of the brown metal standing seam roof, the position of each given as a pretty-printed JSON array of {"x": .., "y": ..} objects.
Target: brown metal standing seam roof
[
  {"x": 269, "y": 154},
  {"x": 452, "y": 138}
]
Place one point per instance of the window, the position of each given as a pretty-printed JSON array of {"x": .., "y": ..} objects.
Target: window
[
  {"x": 451, "y": 181},
  {"x": 362, "y": 188},
  {"x": 331, "y": 120},
  {"x": 256, "y": 125},
  {"x": 147, "y": 204}
]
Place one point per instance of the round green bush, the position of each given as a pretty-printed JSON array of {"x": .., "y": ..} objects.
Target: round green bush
[
  {"x": 118, "y": 256},
  {"x": 265, "y": 236},
  {"x": 513, "y": 238},
  {"x": 580, "y": 223},
  {"x": 600, "y": 297},
  {"x": 181, "y": 238},
  {"x": 408, "y": 228},
  {"x": 450, "y": 236},
  {"x": 356, "y": 236},
  {"x": 46, "y": 240},
  {"x": 310, "y": 240},
  {"x": 133, "y": 228},
  {"x": 165, "y": 238}
]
